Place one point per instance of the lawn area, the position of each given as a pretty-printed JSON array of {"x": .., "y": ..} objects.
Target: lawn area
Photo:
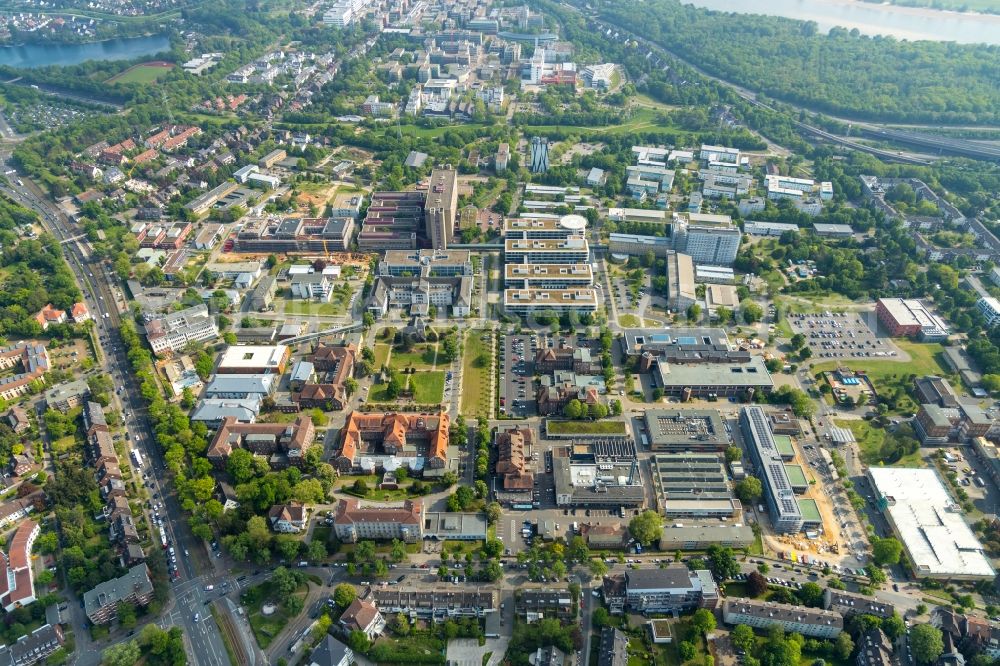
[
  {"x": 142, "y": 73},
  {"x": 421, "y": 357},
  {"x": 428, "y": 387},
  {"x": 313, "y": 308},
  {"x": 629, "y": 321},
  {"x": 585, "y": 427},
  {"x": 888, "y": 375},
  {"x": 476, "y": 368},
  {"x": 414, "y": 649},
  {"x": 643, "y": 119},
  {"x": 870, "y": 440},
  {"x": 64, "y": 444},
  {"x": 381, "y": 354},
  {"x": 265, "y": 628}
]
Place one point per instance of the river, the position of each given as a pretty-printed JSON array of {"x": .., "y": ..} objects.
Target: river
[
  {"x": 910, "y": 23},
  {"x": 42, "y": 55}
]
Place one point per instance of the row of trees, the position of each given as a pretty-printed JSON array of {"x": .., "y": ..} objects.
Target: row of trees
[{"x": 928, "y": 81}]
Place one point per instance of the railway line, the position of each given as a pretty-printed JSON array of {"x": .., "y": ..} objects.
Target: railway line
[{"x": 961, "y": 147}]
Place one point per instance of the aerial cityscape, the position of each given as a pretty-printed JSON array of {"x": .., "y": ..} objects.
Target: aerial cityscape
[{"x": 482, "y": 333}]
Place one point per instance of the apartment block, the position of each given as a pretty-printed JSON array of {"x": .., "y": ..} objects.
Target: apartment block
[
  {"x": 811, "y": 622},
  {"x": 101, "y": 603},
  {"x": 671, "y": 589}
]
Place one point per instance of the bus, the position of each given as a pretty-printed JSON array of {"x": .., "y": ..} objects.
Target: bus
[
  {"x": 137, "y": 458},
  {"x": 517, "y": 506}
]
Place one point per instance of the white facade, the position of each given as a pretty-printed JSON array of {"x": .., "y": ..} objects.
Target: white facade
[
  {"x": 171, "y": 332},
  {"x": 989, "y": 307}
]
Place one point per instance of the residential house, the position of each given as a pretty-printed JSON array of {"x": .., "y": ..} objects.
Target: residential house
[
  {"x": 364, "y": 616},
  {"x": 287, "y": 518}
]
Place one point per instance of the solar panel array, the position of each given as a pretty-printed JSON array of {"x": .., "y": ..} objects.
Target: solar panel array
[{"x": 766, "y": 456}]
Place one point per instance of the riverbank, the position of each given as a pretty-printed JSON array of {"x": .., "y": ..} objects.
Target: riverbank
[{"x": 869, "y": 18}]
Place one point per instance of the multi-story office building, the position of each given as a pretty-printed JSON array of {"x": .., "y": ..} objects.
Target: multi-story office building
[
  {"x": 523, "y": 302},
  {"x": 539, "y": 154},
  {"x": 910, "y": 317},
  {"x": 418, "y": 295},
  {"x": 678, "y": 430},
  {"x": 306, "y": 235},
  {"x": 708, "y": 239},
  {"x": 254, "y": 360},
  {"x": 672, "y": 589},
  {"x": 693, "y": 486},
  {"x": 170, "y": 332},
  {"x": 101, "y": 603},
  {"x": 682, "y": 292},
  {"x": 425, "y": 263},
  {"x": 567, "y": 251},
  {"x": 786, "y": 516},
  {"x": 392, "y": 221},
  {"x": 605, "y": 474},
  {"x": 812, "y": 622},
  {"x": 567, "y": 226},
  {"x": 638, "y": 245},
  {"x": 989, "y": 307},
  {"x": 441, "y": 207},
  {"x": 548, "y": 276},
  {"x": 355, "y": 520}
]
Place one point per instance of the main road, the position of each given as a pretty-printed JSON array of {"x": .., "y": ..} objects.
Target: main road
[{"x": 205, "y": 646}]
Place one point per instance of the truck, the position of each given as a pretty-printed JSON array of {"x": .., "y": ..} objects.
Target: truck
[{"x": 644, "y": 440}]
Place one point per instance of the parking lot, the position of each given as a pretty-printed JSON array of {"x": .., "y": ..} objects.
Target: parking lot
[
  {"x": 517, "y": 356},
  {"x": 842, "y": 335}
]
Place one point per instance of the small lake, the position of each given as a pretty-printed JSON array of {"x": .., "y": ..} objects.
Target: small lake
[
  {"x": 42, "y": 55},
  {"x": 910, "y": 23}
]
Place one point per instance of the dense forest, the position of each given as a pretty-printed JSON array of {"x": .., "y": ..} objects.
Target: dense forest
[{"x": 841, "y": 73}]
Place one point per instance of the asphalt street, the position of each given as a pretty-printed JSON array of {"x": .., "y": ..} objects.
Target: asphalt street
[{"x": 102, "y": 297}]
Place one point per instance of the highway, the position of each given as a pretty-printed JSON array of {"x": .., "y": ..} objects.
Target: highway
[
  {"x": 102, "y": 297},
  {"x": 615, "y": 31}
]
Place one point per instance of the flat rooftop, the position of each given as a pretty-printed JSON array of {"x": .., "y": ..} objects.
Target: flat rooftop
[
  {"x": 810, "y": 512},
  {"x": 548, "y": 271},
  {"x": 678, "y": 427},
  {"x": 520, "y": 297},
  {"x": 912, "y": 312},
  {"x": 253, "y": 356},
  {"x": 751, "y": 373},
  {"x": 418, "y": 257},
  {"x": 784, "y": 444},
  {"x": 546, "y": 245},
  {"x": 938, "y": 540}
]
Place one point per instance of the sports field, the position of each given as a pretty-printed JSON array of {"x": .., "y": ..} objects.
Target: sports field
[{"x": 147, "y": 72}]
